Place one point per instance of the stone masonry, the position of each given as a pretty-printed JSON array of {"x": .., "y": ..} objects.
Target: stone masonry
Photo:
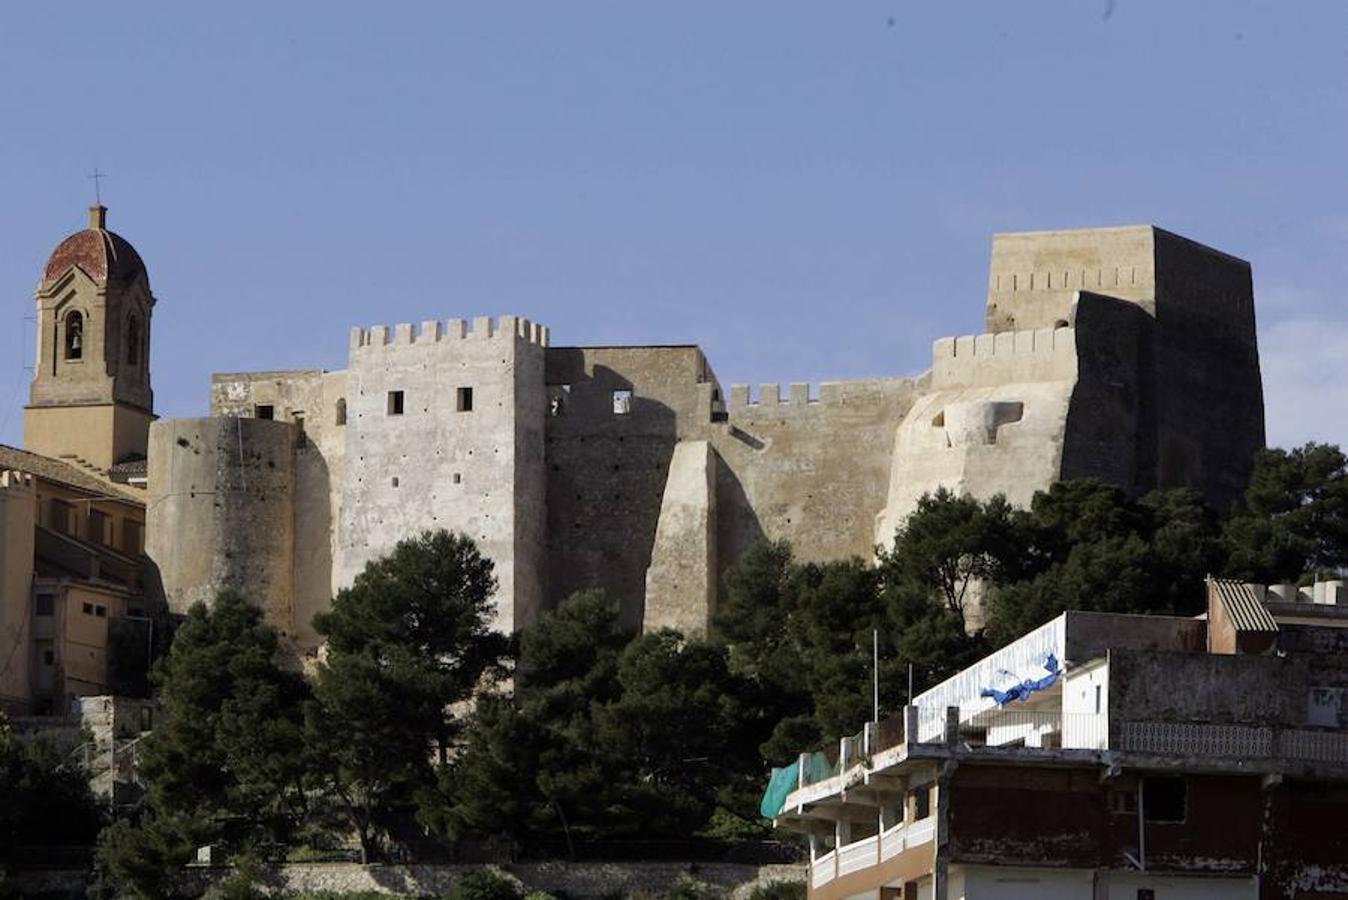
[{"x": 1122, "y": 354}]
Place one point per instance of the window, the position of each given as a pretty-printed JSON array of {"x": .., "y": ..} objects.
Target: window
[
  {"x": 464, "y": 400},
  {"x": 48, "y": 658},
  {"x": 98, "y": 526},
  {"x": 264, "y": 411},
  {"x": 74, "y": 335},
  {"x": 395, "y": 403},
  {"x": 1097, "y": 699},
  {"x": 1163, "y": 799},
  {"x": 132, "y": 340},
  {"x": 61, "y": 516},
  {"x": 1123, "y": 802},
  {"x": 622, "y": 403},
  {"x": 146, "y": 718},
  {"x": 88, "y": 609},
  {"x": 341, "y": 411},
  {"x": 101, "y": 611},
  {"x": 131, "y": 536},
  {"x": 921, "y": 803},
  {"x": 44, "y": 605}
]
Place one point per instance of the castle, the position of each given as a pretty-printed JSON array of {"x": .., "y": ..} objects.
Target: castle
[{"x": 1122, "y": 354}]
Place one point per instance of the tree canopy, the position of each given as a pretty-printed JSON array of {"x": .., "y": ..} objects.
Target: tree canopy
[{"x": 407, "y": 642}]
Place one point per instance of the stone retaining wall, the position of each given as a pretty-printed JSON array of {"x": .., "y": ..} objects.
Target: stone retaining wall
[{"x": 574, "y": 880}]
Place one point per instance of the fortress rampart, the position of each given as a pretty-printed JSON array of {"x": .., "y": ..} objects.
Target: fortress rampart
[
  {"x": 222, "y": 516},
  {"x": 982, "y": 360},
  {"x": 436, "y": 331},
  {"x": 1121, "y": 354}
]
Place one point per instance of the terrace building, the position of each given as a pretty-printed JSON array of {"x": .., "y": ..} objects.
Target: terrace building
[{"x": 1102, "y": 757}]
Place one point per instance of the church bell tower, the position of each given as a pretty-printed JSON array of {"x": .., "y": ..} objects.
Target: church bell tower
[{"x": 91, "y": 401}]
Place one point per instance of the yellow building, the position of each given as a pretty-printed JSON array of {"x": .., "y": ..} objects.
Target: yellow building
[{"x": 72, "y": 510}]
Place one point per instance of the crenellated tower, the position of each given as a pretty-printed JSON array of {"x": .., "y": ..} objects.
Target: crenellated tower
[{"x": 91, "y": 400}]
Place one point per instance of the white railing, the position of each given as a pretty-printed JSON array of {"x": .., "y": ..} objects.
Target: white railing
[
  {"x": 905, "y": 836},
  {"x": 821, "y": 870},
  {"x": 923, "y": 831},
  {"x": 857, "y": 856}
]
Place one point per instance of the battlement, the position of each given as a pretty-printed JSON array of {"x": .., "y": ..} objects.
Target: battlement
[
  {"x": 802, "y": 395},
  {"x": 1101, "y": 279},
  {"x": 974, "y": 360},
  {"x": 435, "y": 331}
]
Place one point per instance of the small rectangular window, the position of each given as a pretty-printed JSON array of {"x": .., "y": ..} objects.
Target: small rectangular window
[
  {"x": 921, "y": 803},
  {"x": 622, "y": 403},
  {"x": 61, "y": 516},
  {"x": 1097, "y": 699},
  {"x": 464, "y": 399},
  {"x": 395, "y": 403},
  {"x": 131, "y": 537},
  {"x": 101, "y": 611},
  {"x": 88, "y": 609},
  {"x": 98, "y": 527},
  {"x": 44, "y": 605},
  {"x": 264, "y": 411},
  {"x": 48, "y": 658}
]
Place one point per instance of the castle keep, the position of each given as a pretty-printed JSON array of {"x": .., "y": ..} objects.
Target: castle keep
[{"x": 1123, "y": 354}]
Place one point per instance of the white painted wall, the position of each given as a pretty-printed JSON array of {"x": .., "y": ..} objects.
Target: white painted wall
[
  {"x": 1085, "y": 707},
  {"x": 997, "y": 883},
  {"x": 1022, "y": 658}
]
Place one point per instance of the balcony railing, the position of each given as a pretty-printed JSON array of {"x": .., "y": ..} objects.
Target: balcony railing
[
  {"x": 1239, "y": 741},
  {"x": 859, "y": 855},
  {"x": 871, "y": 851},
  {"x": 1044, "y": 729}
]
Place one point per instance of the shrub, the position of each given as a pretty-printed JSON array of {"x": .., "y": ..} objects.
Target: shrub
[
  {"x": 689, "y": 888},
  {"x": 779, "y": 890},
  {"x": 485, "y": 884}
]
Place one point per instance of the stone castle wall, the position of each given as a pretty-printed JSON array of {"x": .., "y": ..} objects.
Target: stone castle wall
[
  {"x": 222, "y": 514},
  {"x": 441, "y": 460},
  {"x": 1125, "y": 355}
]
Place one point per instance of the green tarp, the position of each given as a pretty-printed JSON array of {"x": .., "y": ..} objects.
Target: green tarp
[{"x": 782, "y": 783}]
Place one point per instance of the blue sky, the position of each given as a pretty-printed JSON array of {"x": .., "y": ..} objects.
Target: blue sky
[{"x": 807, "y": 190}]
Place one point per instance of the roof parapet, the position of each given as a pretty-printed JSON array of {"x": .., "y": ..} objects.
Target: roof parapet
[{"x": 435, "y": 331}]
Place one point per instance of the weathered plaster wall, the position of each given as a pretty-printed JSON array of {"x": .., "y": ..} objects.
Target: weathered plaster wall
[
  {"x": 681, "y": 580},
  {"x": 1062, "y": 819},
  {"x": 18, "y": 523},
  {"x": 1263, "y": 691},
  {"x": 220, "y": 512},
  {"x": 434, "y": 465}
]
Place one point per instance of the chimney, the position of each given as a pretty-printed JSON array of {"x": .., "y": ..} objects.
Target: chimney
[{"x": 98, "y": 217}]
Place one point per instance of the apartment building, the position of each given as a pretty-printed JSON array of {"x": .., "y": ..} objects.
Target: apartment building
[{"x": 1102, "y": 757}]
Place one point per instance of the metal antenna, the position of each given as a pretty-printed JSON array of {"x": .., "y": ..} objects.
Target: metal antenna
[{"x": 96, "y": 177}]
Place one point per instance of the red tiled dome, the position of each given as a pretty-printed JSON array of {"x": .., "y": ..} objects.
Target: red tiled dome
[{"x": 102, "y": 255}]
